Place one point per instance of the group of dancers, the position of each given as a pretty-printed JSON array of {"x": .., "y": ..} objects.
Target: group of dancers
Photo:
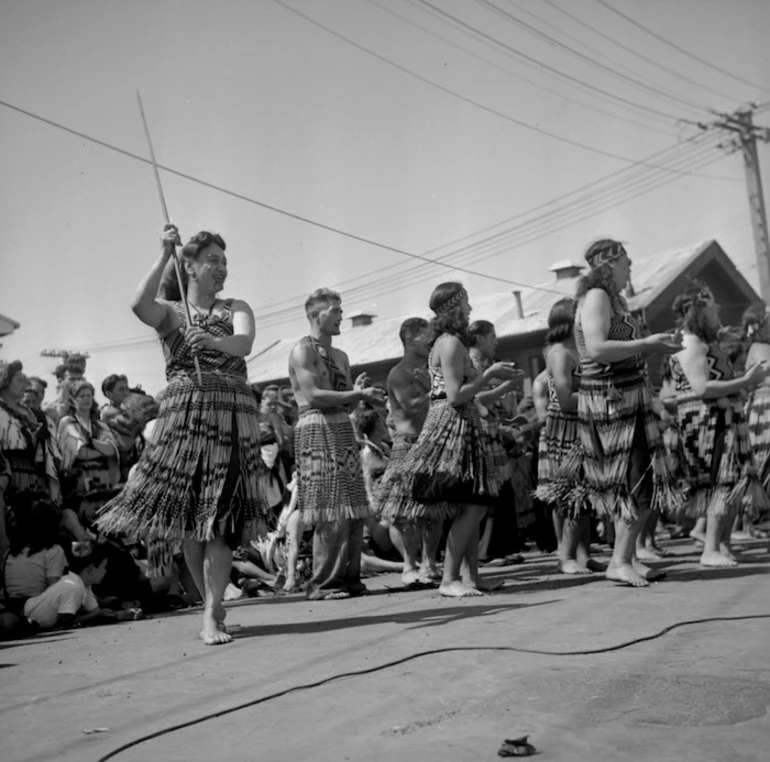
[{"x": 606, "y": 448}]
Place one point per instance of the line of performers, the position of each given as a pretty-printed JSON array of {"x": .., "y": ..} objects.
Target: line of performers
[{"x": 602, "y": 448}]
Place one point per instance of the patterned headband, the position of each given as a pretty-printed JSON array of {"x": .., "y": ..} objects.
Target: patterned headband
[
  {"x": 452, "y": 303},
  {"x": 605, "y": 256}
]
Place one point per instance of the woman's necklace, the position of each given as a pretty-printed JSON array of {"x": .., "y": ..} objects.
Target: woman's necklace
[{"x": 201, "y": 318}]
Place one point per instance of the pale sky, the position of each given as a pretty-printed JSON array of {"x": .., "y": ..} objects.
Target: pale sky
[{"x": 419, "y": 132}]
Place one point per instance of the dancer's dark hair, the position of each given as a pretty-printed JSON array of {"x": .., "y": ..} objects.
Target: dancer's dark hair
[
  {"x": 561, "y": 321},
  {"x": 169, "y": 286},
  {"x": 688, "y": 307},
  {"x": 445, "y": 301},
  {"x": 600, "y": 256}
]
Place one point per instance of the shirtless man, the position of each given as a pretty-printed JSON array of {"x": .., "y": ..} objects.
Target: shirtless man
[
  {"x": 408, "y": 393},
  {"x": 330, "y": 482}
]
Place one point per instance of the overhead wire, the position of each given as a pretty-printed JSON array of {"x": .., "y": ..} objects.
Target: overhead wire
[
  {"x": 540, "y": 224},
  {"x": 618, "y": 44},
  {"x": 668, "y": 117},
  {"x": 617, "y": 178},
  {"x": 679, "y": 48},
  {"x": 500, "y": 243},
  {"x": 517, "y": 75},
  {"x": 464, "y": 98},
  {"x": 520, "y": 23}
]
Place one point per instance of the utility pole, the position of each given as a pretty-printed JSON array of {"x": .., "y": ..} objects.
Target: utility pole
[
  {"x": 78, "y": 358},
  {"x": 742, "y": 136}
]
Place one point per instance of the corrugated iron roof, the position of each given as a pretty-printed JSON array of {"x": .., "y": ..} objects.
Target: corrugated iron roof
[{"x": 379, "y": 341}]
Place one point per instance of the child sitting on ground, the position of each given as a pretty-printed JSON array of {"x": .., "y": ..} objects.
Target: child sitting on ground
[
  {"x": 35, "y": 561},
  {"x": 70, "y": 601}
]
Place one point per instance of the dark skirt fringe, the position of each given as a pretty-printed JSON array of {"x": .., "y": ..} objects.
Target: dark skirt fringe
[
  {"x": 759, "y": 432},
  {"x": 609, "y": 412},
  {"x": 720, "y": 475},
  {"x": 560, "y": 478},
  {"x": 178, "y": 488},
  {"x": 393, "y": 494},
  {"x": 449, "y": 465},
  {"x": 330, "y": 479}
]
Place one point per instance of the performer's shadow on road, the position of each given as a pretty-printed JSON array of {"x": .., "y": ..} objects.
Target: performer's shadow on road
[{"x": 431, "y": 617}]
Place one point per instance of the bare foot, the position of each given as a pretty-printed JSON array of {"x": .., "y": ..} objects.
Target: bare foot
[
  {"x": 570, "y": 566},
  {"x": 595, "y": 566},
  {"x": 727, "y": 552},
  {"x": 457, "y": 589},
  {"x": 410, "y": 577},
  {"x": 430, "y": 572},
  {"x": 427, "y": 581},
  {"x": 337, "y": 596},
  {"x": 651, "y": 575},
  {"x": 290, "y": 585},
  {"x": 648, "y": 554},
  {"x": 699, "y": 537},
  {"x": 626, "y": 574},
  {"x": 717, "y": 560},
  {"x": 211, "y": 635}
]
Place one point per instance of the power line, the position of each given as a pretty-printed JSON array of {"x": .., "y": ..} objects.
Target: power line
[
  {"x": 588, "y": 59},
  {"x": 613, "y": 181},
  {"x": 670, "y": 118},
  {"x": 461, "y": 97},
  {"x": 242, "y": 197},
  {"x": 679, "y": 48},
  {"x": 637, "y": 54},
  {"x": 416, "y": 274},
  {"x": 541, "y": 87}
]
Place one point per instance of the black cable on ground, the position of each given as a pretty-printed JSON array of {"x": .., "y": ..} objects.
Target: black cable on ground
[{"x": 411, "y": 657}]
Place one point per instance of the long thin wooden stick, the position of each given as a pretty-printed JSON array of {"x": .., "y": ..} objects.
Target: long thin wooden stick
[{"x": 182, "y": 290}]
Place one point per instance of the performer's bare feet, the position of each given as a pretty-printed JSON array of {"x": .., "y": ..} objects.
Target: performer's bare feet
[
  {"x": 651, "y": 575},
  {"x": 411, "y": 577},
  {"x": 430, "y": 572},
  {"x": 211, "y": 635},
  {"x": 648, "y": 554},
  {"x": 727, "y": 552},
  {"x": 717, "y": 560},
  {"x": 570, "y": 566},
  {"x": 698, "y": 536},
  {"x": 336, "y": 596},
  {"x": 457, "y": 589},
  {"x": 626, "y": 574}
]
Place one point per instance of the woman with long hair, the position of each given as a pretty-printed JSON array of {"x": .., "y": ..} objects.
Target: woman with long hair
[
  {"x": 90, "y": 456},
  {"x": 195, "y": 482},
  {"x": 625, "y": 468},
  {"x": 448, "y": 471},
  {"x": 720, "y": 476},
  {"x": 559, "y": 442}
]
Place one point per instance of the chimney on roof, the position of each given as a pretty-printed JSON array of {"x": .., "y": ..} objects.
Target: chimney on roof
[
  {"x": 566, "y": 269},
  {"x": 360, "y": 318},
  {"x": 519, "y": 305}
]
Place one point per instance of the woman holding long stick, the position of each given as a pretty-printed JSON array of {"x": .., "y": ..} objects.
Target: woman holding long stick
[{"x": 194, "y": 482}]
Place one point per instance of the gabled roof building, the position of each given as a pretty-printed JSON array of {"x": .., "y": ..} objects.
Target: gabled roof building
[{"x": 521, "y": 317}]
